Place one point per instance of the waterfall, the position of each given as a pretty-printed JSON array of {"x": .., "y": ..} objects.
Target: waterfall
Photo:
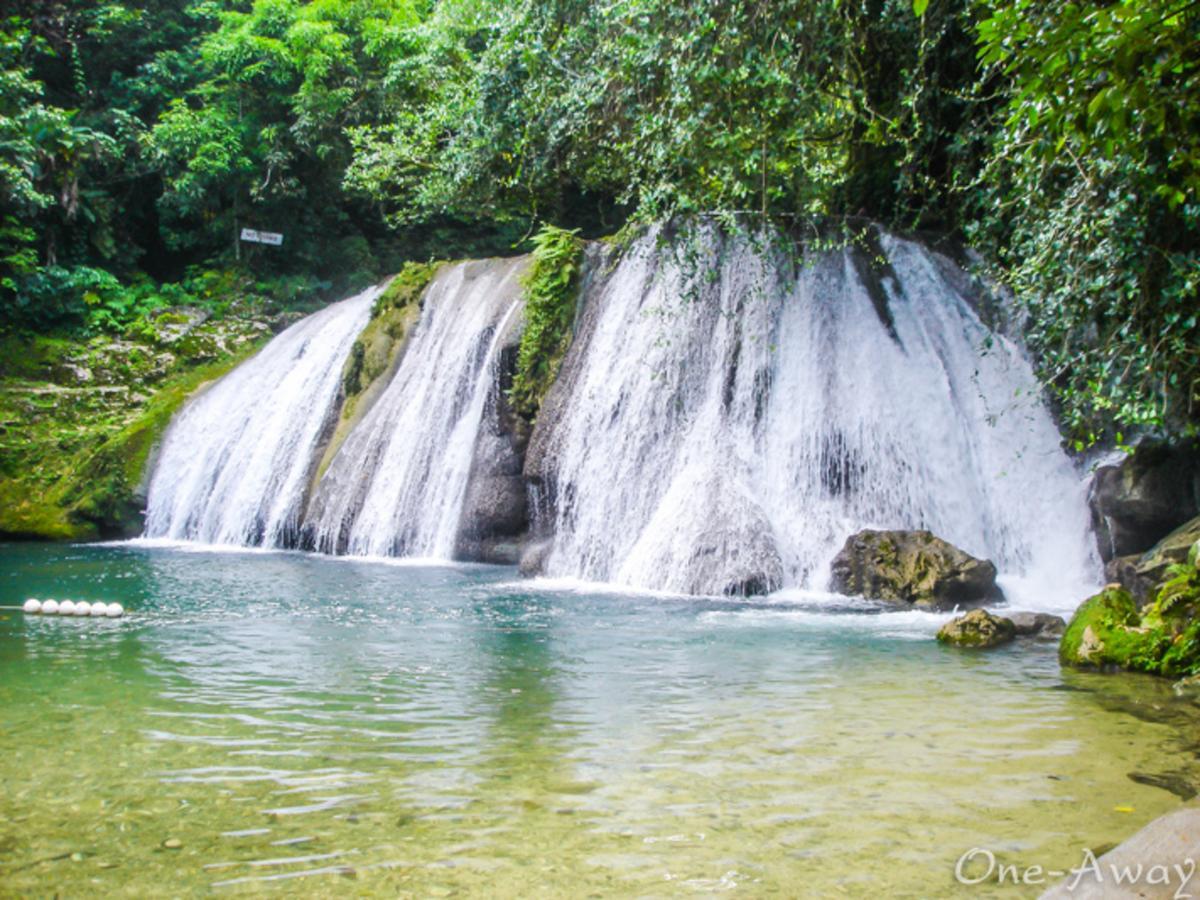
[
  {"x": 396, "y": 486},
  {"x": 236, "y": 462},
  {"x": 722, "y": 417}
]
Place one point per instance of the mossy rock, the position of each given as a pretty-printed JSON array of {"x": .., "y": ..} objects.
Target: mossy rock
[
  {"x": 406, "y": 287},
  {"x": 977, "y": 630},
  {"x": 1110, "y": 632},
  {"x": 29, "y": 516},
  {"x": 912, "y": 568},
  {"x": 80, "y": 483},
  {"x": 1140, "y": 574},
  {"x": 376, "y": 352}
]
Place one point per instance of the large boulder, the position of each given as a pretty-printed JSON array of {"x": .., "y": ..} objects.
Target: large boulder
[
  {"x": 1153, "y": 491},
  {"x": 913, "y": 568},
  {"x": 1163, "y": 854},
  {"x": 1111, "y": 630},
  {"x": 977, "y": 630},
  {"x": 710, "y": 536},
  {"x": 736, "y": 556}
]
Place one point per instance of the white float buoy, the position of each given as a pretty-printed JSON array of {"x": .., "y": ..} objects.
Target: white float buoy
[
  {"x": 32, "y": 606},
  {"x": 66, "y": 608},
  {"x": 113, "y": 611},
  {"x": 50, "y": 608},
  {"x": 83, "y": 608}
]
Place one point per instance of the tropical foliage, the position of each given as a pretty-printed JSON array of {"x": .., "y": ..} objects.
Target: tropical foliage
[{"x": 137, "y": 138}]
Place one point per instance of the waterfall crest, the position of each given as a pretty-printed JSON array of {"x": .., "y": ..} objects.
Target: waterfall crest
[
  {"x": 719, "y": 423},
  {"x": 236, "y": 462},
  {"x": 396, "y": 486}
]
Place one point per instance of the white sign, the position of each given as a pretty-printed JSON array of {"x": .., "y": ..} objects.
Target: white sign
[{"x": 262, "y": 237}]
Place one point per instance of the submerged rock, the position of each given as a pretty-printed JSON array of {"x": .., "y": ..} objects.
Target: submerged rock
[
  {"x": 978, "y": 629},
  {"x": 1035, "y": 624},
  {"x": 913, "y": 568},
  {"x": 534, "y": 556},
  {"x": 1154, "y": 490}
]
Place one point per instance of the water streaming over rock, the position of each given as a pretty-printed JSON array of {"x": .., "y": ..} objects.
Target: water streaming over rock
[
  {"x": 236, "y": 463},
  {"x": 721, "y": 425},
  {"x": 396, "y": 486}
]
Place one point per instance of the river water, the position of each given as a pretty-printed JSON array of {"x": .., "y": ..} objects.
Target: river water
[{"x": 281, "y": 723}]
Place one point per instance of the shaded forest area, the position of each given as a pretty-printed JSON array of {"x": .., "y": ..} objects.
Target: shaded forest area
[{"x": 1062, "y": 140}]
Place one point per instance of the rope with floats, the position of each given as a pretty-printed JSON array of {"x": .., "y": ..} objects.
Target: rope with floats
[{"x": 69, "y": 608}]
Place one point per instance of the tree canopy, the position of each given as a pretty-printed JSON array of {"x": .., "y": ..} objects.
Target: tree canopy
[{"x": 138, "y": 136}]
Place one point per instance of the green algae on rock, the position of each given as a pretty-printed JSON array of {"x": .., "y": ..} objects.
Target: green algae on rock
[
  {"x": 378, "y": 349},
  {"x": 913, "y": 568},
  {"x": 81, "y": 420},
  {"x": 1110, "y": 631},
  {"x": 978, "y": 630},
  {"x": 550, "y": 299}
]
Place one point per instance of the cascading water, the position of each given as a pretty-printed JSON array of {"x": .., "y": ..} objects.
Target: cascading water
[
  {"x": 236, "y": 462},
  {"x": 396, "y": 486},
  {"x": 720, "y": 423}
]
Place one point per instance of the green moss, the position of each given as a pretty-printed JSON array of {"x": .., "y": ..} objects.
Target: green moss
[
  {"x": 104, "y": 487},
  {"x": 25, "y": 515},
  {"x": 1109, "y": 631},
  {"x": 74, "y": 465},
  {"x": 378, "y": 348},
  {"x": 171, "y": 318},
  {"x": 406, "y": 287},
  {"x": 550, "y": 293},
  {"x": 32, "y": 356}
]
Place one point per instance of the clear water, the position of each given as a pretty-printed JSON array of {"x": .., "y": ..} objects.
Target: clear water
[{"x": 328, "y": 727}]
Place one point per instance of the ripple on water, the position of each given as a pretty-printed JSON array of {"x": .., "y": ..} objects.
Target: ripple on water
[{"x": 296, "y": 721}]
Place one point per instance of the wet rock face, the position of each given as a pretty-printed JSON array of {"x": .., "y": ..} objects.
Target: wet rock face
[
  {"x": 737, "y": 554},
  {"x": 495, "y": 514},
  {"x": 1137, "y": 503},
  {"x": 977, "y": 630},
  {"x": 1139, "y": 574},
  {"x": 913, "y": 568}
]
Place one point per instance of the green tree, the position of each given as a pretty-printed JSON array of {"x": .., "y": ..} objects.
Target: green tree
[{"x": 1091, "y": 199}]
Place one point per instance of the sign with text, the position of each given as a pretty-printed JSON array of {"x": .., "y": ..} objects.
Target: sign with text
[{"x": 262, "y": 237}]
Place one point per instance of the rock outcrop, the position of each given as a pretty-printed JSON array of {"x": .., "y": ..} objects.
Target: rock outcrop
[
  {"x": 495, "y": 514},
  {"x": 977, "y": 630},
  {"x": 1153, "y": 491},
  {"x": 1162, "y": 854},
  {"x": 1111, "y": 630},
  {"x": 1140, "y": 574},
  {"x": 913, "y": 568},
  {"x": 736, "y": 553}
]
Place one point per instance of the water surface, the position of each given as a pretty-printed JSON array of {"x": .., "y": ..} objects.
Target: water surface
[{"x": 301, "y": 724}]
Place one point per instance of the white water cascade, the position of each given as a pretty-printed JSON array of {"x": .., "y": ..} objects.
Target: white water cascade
[
  {"x": 235, "y": 464},
  {"x": 396, "y": 486},
  {"x": 718, "y": 419}
]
